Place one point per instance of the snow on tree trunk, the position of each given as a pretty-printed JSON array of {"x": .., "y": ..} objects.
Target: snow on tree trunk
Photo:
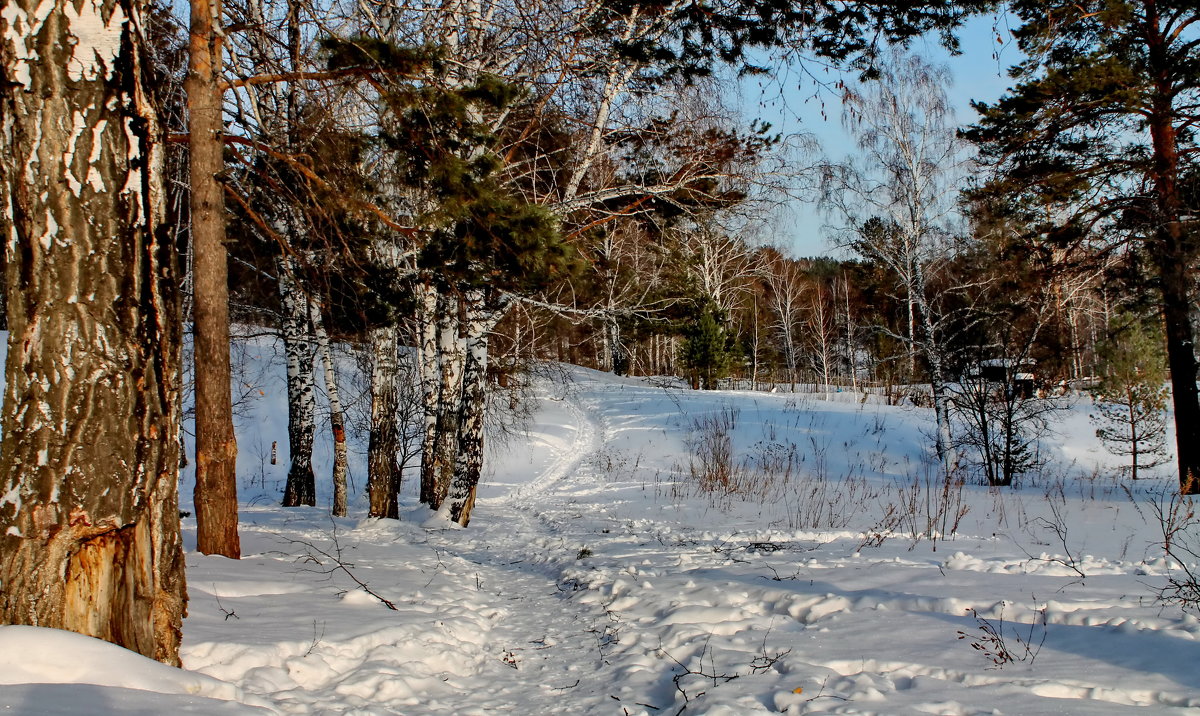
[
  {"x": 451, "y": 359},
  {"x": 299, "y": 349},
  {"x": 479, "y": 321},
  {"x": 337, "y": 417},
  {"x": 89, "y": 521},
  {"x": 427, "y": 354},
  {"x": 383, "y": 474},
  {"x": 215, "y": 495}
]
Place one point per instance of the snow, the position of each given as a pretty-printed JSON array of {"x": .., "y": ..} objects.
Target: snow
[
  {"x": 596, "y": 579},
  {"x": 47, "y": 671}
]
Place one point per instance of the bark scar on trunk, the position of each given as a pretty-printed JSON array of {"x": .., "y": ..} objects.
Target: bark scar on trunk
[{"x": 104, "y": 584}]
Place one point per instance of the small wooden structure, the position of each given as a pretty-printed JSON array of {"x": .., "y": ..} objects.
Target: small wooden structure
[{"x": 1019, "y": 374}]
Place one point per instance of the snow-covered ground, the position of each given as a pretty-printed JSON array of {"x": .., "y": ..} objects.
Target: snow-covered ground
[{"x": 598, "y": 578}]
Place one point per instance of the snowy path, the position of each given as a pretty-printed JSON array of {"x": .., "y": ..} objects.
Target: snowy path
[{"x": 494, "y": 589}]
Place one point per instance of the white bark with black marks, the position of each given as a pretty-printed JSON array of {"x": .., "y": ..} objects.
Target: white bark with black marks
[
  {"x": 299, "y": 348},
  {"x": 451, "y": 367},
  {"x": 337, "y": 417},
  {"x": 479, "y": 318},
  {"x": 429, "y": 378}
]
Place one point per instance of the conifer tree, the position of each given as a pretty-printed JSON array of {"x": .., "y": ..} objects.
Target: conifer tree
[
  {"x": 1100, "y": 130},
  {"x": 706, "y": 352},
  {"x": 215, "y": 494},
  {"x": 477, "y": 242},
  {"x": 1131, "y": 399}
]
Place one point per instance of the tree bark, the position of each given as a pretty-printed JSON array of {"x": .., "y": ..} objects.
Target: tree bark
[
  {"x": 383, "y": 473},
  {"x": 935, "y": 352},
  {"x": 216, "y": 446},
  {"x": 337, "y": 417},
  {"x": 1176, "y": 253},
  {"x": 299, "y": 349},
  {"x": 89, "y": 520},
  {"x": 427, "y": 354},
  {"x": 480, "y": 319},
  {"x": 1176, "y": 282},
  {"x": 451, "y": 366}
]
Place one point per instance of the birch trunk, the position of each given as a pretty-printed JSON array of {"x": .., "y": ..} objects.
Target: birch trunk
[
  {"x": 933, "y": 349},
  {"x": 299, "y": 349},
  {"x": 851, "y": 352},
  {"x": 451, "y": 359},
  {"x": 479, "y": 320},
  {"x": 337, "y": 417},
  {"x": 89, "y": 521},
  {"x": 427, "y": 354},
  {"x": 383, "y": 474},
  {"x": 614, "y": 359}
]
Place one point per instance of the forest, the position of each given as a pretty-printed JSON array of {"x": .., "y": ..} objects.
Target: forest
[{"x": 466, "y": 196}]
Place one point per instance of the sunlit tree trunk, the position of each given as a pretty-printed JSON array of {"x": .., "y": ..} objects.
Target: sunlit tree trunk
[
  {"x": 451, "y": 360},
  {"x": 479, "y": 320},
  {"x": 383, "y": 472},
  {"x": 299, "y": 350},
  {"x": 934, "y": 349},
  {"x": 1176, "y": 252},
  {"x": 216, "y": 446},
  {"x": 337, "y": 417},
  {"x": 428, "y": 375},
  {"x": 89, "y": 521}
]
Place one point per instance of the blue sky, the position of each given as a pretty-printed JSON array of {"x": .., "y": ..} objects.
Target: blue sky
[{"x": 796, "y": 105}]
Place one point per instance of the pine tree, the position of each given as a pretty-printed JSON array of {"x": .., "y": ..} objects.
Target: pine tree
[
  {"x": 1131, "y": 399},
  {"x": 215, "y": 494},
  {"x": 479, "y": 243},
  {"x": 1098, "y": 133},
  {"x": 706, "y": 351}
]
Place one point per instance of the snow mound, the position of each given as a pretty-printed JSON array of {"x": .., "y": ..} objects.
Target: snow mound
[{"x": 56, "y": 670}]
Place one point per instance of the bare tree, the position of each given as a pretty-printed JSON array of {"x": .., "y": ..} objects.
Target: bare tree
[
  {"x": 786, "y": 286},
  {"x": 1003, "y": 416},
  {"x": 900, "y": 202},
  {"x": 823, "y": 334},
  {"x": 337, "y": 416}
]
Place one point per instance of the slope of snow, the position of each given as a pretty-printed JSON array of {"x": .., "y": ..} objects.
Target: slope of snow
[{"x": 596, "y": 578}]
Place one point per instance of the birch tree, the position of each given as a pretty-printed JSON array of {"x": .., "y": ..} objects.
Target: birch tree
[
  {"x": 901, "y": 202},
  {"x": 299, "y": 181},
  {"x": 89, "y": 521},
  {"x": 337, "y": 416},
  {"x": 823, "y": 332},
  {"x": 590, "y": 58},
  {"x": 270, "y": 113},
  {"x": 786, "y": 288}
]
